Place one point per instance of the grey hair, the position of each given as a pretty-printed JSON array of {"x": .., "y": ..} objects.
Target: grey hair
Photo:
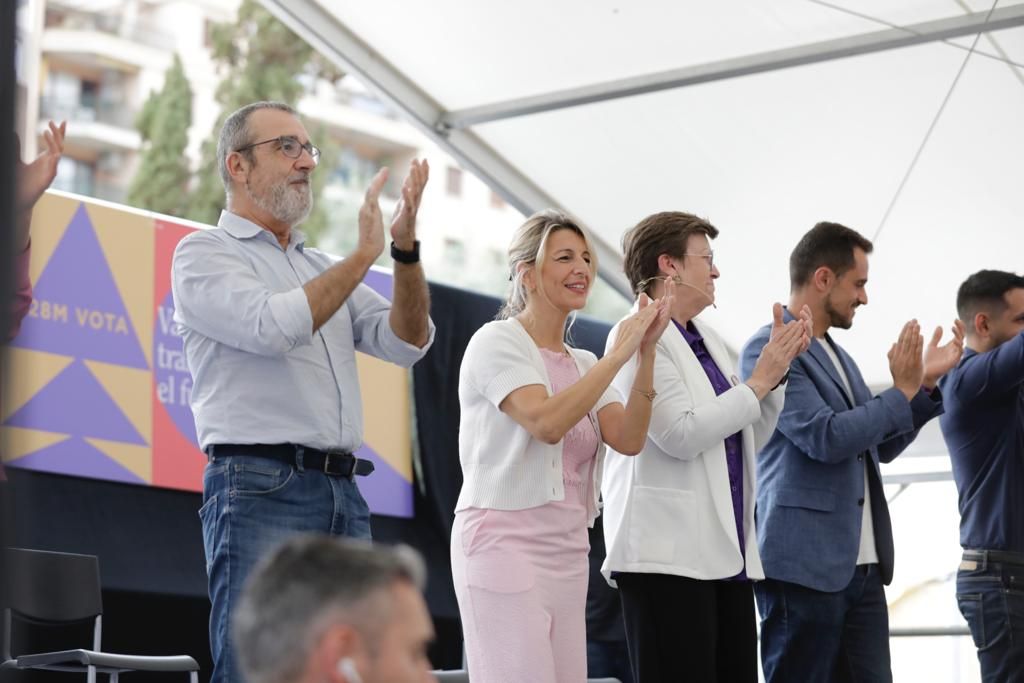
[
  {"x": 235, "y": 134},
  {"x": 528, "y": 247},
  {"x": 309, "y": 583}
]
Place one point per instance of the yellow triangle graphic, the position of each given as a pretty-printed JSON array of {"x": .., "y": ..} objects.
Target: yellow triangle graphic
[
  {"x": 50, "y": 220},
  {"x": 16, "y": 442},
  {"x": 136, "y": 459},
  {"x": 131, "y": 390},
  {"x": 24, "y": 373},
  {"x": 385, "y": 389},
  {"x": 128, "y": 242}
]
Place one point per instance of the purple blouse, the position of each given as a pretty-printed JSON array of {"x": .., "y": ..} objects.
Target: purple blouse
[{"x": 733, "y": 443}]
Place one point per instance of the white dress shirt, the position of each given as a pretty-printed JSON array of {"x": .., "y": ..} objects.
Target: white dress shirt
[
  {"x": 260, "y": 374},
  {"x": 868, "y": 553}
]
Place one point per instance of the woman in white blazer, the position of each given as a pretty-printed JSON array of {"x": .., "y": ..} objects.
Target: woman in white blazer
[
  {"x": 536, "y": 414},
  {"x": 679, "y": 518}
]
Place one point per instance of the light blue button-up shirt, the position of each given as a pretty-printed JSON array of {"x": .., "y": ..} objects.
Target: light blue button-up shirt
[{"x": 260, "y": 374}]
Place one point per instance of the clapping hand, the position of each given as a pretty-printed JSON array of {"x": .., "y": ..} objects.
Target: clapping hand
[
  {"x": 403, "y": 223},
  {"x": 938, "y": 360},
  {"x": 905, "y": 362},
  {"x": 371, "y": 223},
  {"x": 35, "y": 177},
  {"x": 785, "y": 342},
  {"x": 664, "y": 305}
]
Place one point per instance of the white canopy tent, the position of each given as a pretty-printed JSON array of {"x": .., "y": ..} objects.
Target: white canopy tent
[
  {"x": 764, "y": 117},
  {"x": 903, "y": 119}
]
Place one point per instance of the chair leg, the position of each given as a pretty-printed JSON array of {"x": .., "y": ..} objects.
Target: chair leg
[
  {"x": 193, "y": 677},
  {"x": 114, "y": 675},
  {"x": 90, "y": 676}
]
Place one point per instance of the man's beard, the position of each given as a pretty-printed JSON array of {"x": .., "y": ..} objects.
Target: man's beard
[
  {"x": 835, "y": 318},
  {"x": 286, "y": 202}
]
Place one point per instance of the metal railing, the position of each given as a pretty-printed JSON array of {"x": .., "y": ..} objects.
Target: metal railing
[
  {"x": 64, "y": 16},
  {"x": 929, "y": 632},
  {"x": 84, "y": 110}
]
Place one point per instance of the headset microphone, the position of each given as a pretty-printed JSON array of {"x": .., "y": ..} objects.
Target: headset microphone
[{"x": 679, "y": 281}]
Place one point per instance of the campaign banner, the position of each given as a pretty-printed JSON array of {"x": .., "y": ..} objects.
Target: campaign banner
[{"x": 96, "y": 384}]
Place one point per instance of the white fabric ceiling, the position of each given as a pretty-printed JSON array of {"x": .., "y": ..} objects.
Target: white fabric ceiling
[{"x": 763, "y": 156}]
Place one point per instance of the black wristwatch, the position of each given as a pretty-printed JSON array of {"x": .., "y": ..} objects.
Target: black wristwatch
[{"x": 402, "y": 256}]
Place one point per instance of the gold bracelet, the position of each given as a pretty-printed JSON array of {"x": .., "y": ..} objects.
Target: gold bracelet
[{"x": 649, "y": 395}]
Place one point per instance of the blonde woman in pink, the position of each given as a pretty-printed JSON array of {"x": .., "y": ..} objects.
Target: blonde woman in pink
[{"x": 536, "y": 415}]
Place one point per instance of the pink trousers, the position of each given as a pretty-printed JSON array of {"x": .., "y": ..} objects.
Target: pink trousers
[{"x": 521, "y": 582}]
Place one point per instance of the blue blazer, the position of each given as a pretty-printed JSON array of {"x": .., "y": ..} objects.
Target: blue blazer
[{"x": 810, "y": 474}]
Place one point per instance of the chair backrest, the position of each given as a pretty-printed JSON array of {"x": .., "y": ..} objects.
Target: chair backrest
[
  {"x": 53, "y": 587},
  {"x": 458, "y": 676}
]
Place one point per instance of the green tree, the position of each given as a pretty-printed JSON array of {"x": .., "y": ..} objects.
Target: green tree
[
  {"x": 261, "y": 59},
  {"x": 161, "y": 183}
]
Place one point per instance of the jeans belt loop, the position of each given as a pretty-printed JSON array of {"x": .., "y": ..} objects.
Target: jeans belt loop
[{"x": 299, "y": 452}]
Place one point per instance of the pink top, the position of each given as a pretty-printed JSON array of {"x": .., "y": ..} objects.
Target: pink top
[
  {"x": 579, "y": 445},
  {"x": 555, "y": 530},
  {"x": 22, "y": 293}
]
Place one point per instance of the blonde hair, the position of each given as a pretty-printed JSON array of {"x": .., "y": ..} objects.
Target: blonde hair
[{"x": 529, "y": 247}]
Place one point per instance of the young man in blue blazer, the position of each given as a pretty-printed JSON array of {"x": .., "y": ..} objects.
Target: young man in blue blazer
[{"x": 824, "y": 531}]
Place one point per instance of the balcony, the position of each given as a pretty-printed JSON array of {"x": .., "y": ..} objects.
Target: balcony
[
  {"x": 105, "y": 40},
  {"x": 94, "y": 125},
  {"x": 115, "y": 23}
]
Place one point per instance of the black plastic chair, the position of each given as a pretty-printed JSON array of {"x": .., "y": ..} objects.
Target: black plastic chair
[{"x": 52, "y": 589}]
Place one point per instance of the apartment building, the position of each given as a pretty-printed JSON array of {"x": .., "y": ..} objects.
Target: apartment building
[{"x": 94, "y": 63}]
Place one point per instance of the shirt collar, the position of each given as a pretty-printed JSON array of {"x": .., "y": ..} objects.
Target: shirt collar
[
  {"x": 242, "y": 229},
  {"x": 690, "y": 333}
]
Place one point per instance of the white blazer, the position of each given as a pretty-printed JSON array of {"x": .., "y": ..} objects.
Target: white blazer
[{"x": 668, "y": 510}]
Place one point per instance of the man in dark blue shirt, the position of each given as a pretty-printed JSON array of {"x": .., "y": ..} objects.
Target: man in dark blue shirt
[{"x": 984, "y": 430}]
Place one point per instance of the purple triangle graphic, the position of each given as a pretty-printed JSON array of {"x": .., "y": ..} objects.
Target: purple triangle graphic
[
  {"x": 382, "y": 283},
  {"x": 386, "y": 491},
  {"x": 77, "y": 458},
  {"x": 78, "y": 310},
  {"x": 75, "y": 403}
]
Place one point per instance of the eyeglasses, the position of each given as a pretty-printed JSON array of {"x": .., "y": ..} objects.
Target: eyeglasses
[
  {"x": 289, "y": 146},
  {"x": 710, "y": 256},
  {"x": 644, "y": 284}
]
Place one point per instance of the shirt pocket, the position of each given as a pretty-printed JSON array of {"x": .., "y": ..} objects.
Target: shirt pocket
[
  {"x": 664, "y": 526},
  {"x": 500, "y": 572}
]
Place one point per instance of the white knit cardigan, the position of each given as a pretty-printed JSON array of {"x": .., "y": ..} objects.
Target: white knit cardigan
[{"x": 503, "y": 466}]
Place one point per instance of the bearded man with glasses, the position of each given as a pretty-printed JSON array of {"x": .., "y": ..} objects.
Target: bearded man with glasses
[{"x": 270, "y": 330}]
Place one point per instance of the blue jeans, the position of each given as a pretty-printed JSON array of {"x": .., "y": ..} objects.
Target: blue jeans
[
  {"x": 809, "y": 636},
  {"x": 991, "y": 598},
  {"x": 251, "y": 504}
]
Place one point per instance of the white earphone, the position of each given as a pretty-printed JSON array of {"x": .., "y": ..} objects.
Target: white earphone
[{"x": 348, "y": 669}]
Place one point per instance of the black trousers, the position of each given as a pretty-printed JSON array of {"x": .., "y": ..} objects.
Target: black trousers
[{"x": 680, "y": 629}]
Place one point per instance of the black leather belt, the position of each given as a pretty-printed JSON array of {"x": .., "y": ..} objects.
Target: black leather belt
[
  {"x": 991, "y": 556},
  {"x": 331, "y": 463}
]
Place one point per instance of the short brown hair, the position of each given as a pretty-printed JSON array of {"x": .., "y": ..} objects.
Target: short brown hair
[
  {"x": 826, "y": 244},
  {"x": 660, "y": 233}
]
